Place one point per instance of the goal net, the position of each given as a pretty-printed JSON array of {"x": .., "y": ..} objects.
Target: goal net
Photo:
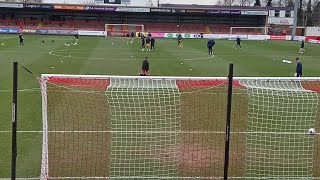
[
  {"x": 123, "y": 127},
  {"x": 121, "y": 30},
  {"x": 234, "y": 31}
]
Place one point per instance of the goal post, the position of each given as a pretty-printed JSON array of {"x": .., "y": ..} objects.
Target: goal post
[
  {"x": 262, "y": 30},
  {"x": 121, "y": 30},
  {"x": 134, "y": 127}
]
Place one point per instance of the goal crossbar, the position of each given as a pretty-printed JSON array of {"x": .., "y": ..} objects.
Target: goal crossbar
[{"x": 181, "y": 77}]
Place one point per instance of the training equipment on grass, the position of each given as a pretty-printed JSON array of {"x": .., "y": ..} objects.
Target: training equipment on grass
[
  {"x": 286, "y": 61},
  {"x": 312, "y": 131},
  {"x": 121, "y": 30},
  {"x": 149, "y": 127}
]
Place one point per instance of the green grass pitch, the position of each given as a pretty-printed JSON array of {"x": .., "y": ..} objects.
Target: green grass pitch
[{"x": 113, "y": 56}]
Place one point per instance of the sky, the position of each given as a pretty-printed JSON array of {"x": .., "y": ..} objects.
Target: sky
[{"x": 140, "y": 2}]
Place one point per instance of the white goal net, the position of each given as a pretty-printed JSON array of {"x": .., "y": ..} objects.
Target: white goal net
[
  {"x": 121, "y": 30},
  {"x": 128, "y": 127},
  {"x": 235, "y": 31}
]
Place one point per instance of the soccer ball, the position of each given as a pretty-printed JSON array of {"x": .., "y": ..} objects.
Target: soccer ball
[{"x": 312, "y": 131}]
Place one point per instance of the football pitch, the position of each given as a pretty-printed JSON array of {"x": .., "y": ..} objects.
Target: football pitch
[{"x": 113, "y": 56}]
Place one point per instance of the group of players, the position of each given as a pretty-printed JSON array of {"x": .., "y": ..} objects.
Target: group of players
[{"x": 147, "y": 43}]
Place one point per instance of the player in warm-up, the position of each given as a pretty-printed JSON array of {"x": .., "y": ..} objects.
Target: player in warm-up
[
  {"x": 302, "y": 50},
  {"x": 238, "y": 42},
  {"x": 298, "y": 68},
  {"x": 131, "y": 37},
  {"x": 143, "y": 42},
  {"x": 21, "y": 40},
  {"x": 77, "y": 39},
  {"x": 180, "y": 41},
  {"x": 145, "y": 67},
  {"x": 148, "y": 45},
  {"x": 153, "y": 42},
  {"x": 210, "y": 46}
]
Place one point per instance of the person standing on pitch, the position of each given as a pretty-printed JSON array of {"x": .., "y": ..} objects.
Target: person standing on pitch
[
  {"x": 302, "y": 50},
  {"x": 153, "y": 41},
  {"x": 238, "y": 42},
  {"x": 21, "y": 40},
  {"x": 210, "y": 46},
  {"x": 145, "y": 67},
  {"x": 298, "y": 68}
]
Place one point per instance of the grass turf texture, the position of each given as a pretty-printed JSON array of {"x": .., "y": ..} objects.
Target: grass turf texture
[{"x": 95, "y": 55}]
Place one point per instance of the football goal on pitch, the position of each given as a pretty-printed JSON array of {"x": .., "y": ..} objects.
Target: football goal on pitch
[
  {"x": 121, "y": 30},
  {"x": 123, "y": 127}
]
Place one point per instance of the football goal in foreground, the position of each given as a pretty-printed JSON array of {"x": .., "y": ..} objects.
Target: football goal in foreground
[{"x": 123, "y": 127}]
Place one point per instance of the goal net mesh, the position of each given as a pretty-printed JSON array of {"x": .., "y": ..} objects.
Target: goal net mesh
[
  {"x": 110, "y": 127},
  {"x": 249, "y": 30},
  {"x": 121, "y": 30}
]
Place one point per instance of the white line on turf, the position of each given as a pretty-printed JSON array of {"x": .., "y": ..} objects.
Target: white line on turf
[
  {"x": 166, "y": 132},
  {"x": 20, "y": 90}
]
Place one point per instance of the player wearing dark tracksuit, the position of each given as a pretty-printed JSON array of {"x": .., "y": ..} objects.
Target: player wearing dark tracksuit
[
  {"x": 21, "y": 39},
  {"x": 145, "y": 67},
  {"x": 238, "y": 42},
  {"x": 298, "y": 68},
  {"x": 210, "y": 46},
  {"x": 153, "y": 41}
]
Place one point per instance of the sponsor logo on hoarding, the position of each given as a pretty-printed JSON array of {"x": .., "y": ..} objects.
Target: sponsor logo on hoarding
[
  {"x": 187, "y": 35},
  {"x": 196, "y": 11},
  {"x": 272, "y": 37},
  {"x": 169, "y": 35},
  {"x": 158, "y": 35},
  {"x": 33, "y": 31},
  {"x": 184, "y": 35},
  {"x": 42, "y": 31},
  {"x": 258, "y": 37},
  {"x": 9, "y": 30},
  {"x": 62, "y": 32},
  {"x": 99, "y": 8},
  {"x": 8, "y": 5},
  {"x": 67, "y": 7},
  {"x": 255, "y": 13},
  {"x": 38, "y": 6},
  {"x": 124, "y": 9},
  {"x": 313, "y": 41},
  {"x": 161, "y": 10},
  {"x": 224, "y": 12},
  {"x": 91, "y": 33}
]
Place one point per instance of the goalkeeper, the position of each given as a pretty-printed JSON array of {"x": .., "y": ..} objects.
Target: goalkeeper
[{"x": 145, "y": 67}]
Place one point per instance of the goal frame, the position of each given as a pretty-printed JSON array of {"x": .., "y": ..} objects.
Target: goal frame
[
  {"x": 260, "y": 27},
  {"x": 45, "y": 77},
  {"x": 135, "y": 25},
  {"x": 181, "y": 77}
]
